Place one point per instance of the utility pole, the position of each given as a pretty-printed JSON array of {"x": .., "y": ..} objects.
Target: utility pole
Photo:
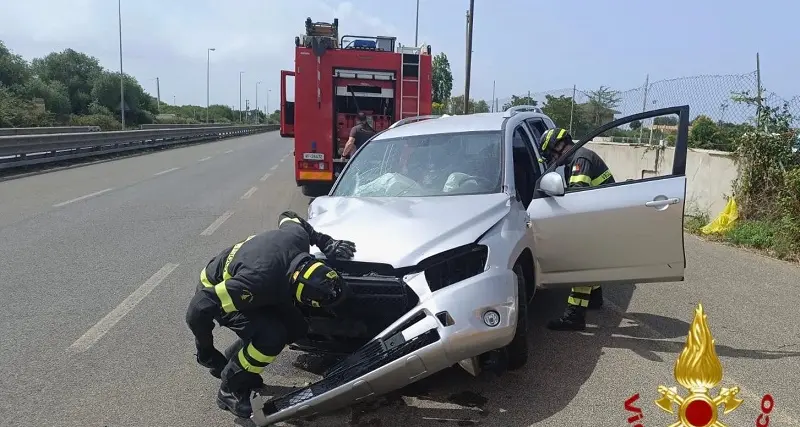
[
  {"x": 256, "y": 108},
  {"x": 158, "y": 94},
  {"x": 572, "y": 108},
  {"x": 644, "y": 105},
  {"x": 208, "y": 79},
  {"x": 493, "y": 82},
  {"x": 470, "y": 20},
  {"x": 121, "y": 74},
  {"x": 416, "y": 28},
  {"x": 240, "y": 96}
]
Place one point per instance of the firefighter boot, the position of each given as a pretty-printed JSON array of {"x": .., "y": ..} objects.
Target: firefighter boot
[
  {"x": 596, "y": 299},
  {"x": 238, "y": 403},
  {"x": 573, "y": 319}
]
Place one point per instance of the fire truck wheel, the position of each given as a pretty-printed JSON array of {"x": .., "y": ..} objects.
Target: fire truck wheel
[{"x": 316, "y": 190}]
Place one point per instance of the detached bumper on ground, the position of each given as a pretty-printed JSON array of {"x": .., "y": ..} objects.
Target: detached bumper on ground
[{"x": 445, "y": 328}]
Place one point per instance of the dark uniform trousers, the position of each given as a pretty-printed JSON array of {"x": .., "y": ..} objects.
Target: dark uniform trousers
[
  {"x": 262, "y": 335},
  {"x": 585, "y": 169}
]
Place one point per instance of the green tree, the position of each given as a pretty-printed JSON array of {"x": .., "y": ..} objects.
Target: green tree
[
  {"x": 601, "y": 105},
  {"x": 455, "y": 106},
  {"x": 519, "y": 100},
  {"x": 14, "y": 70},
  {"x": 665, "y": 121},
  {"x": 442, "y": 79},
  {"x": 77, "y": 71},
  {"x": 635, "y": 125},
  {"x": 480, "y": 107},
  {"x": 54, "y": 94},
  {"x": 140, "y": 106}
]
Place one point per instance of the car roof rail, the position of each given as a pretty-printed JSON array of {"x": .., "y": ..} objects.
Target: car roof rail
[
  {"x": 510, "y": 112},
  {"x": 408, "y": 120}
]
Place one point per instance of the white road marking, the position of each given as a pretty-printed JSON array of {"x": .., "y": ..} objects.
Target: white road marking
[
  {"x": 77, "y": 199},
  {"x": 273, "y": 168},
  {"x": 249, "y": 193},
  {"x": 264, "y": 178},
  {"x": 283, "y": 158},
  {"x": 166, "y": 171},
  {"x": 215, "y": 225},
  {"x": 228, "y": 152},
  {"x": 106, "y": 323},
  {"x": 204, "y": 159}
]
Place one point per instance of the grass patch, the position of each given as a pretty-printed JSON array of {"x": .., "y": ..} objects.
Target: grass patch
[
  {"x": 769, "y": 237},
  {"x": 693, "y": 223},
  {"x": 755, "y": 234}
]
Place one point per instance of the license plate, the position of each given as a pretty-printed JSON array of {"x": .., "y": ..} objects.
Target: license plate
[{"x": 313, "y": 156}]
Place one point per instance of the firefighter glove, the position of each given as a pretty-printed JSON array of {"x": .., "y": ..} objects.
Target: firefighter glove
[
  {"x": 212, "y": 359},
  {"x": 343, "y": 249}
]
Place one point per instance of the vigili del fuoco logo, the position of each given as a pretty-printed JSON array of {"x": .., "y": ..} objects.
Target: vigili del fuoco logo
[{"x": 698, "y": 370}]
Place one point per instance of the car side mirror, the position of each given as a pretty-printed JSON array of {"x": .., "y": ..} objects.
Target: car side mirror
[{"x": 552, "y": 184}]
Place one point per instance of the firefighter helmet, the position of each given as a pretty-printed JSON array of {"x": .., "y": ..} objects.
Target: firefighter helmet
[{"x": 315, "y": 284}]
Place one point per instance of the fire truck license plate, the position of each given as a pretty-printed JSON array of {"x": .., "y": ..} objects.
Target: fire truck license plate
[{"x": 313, "y": 156}]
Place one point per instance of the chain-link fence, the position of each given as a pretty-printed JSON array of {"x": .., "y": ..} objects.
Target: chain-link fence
[{"x": 581, "y": 109}]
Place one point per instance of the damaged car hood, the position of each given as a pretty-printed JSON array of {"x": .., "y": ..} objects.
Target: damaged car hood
[{"x": 401, "y": 231}]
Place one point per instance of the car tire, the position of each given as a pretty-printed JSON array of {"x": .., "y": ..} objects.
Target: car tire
[{"x": 517, "y": 349}]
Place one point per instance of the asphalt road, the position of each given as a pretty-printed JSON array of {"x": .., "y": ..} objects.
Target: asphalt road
[{"x": 100, "y": 261}]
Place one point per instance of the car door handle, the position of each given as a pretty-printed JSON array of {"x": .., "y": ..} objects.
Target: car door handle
[{"x": 661, "y": 203}]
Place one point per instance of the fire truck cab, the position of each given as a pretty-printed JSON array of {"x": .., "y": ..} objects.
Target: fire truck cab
[{"x": 334, "y": 79}]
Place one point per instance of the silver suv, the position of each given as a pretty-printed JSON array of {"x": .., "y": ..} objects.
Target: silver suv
[{"x": 457, "y": 221}]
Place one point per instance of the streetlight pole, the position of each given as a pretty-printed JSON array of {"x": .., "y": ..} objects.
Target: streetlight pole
[
  {"x": 240, "y": 95},
  {"x": 158, "y": 95},
  {"x": 208, "y": 79},
  {"x": 416, "y": 28},
  {"x": 266, "y": 111},
  {"x": 256, "y": 109},
  {"x": 121, "y": 75}
]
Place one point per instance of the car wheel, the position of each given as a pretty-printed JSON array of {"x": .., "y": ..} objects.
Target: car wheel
[{"x": 517, "y": 350}]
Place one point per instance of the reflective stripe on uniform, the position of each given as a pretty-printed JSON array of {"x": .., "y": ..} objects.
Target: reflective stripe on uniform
[
  {"x": 602, "y": 178},
  {"x": 580, "y": 296},
  {"x": 224, "y": 297},
  {"x": 225, "y": 271},
  {"x": 288, "y": 219},
  {"x": 220, "y": 289},
  {"x": 587, "y": 180},
  {"x": 252, "y": 360},
  {"x": 575, "y": 179},
  {"x": 204, "y": 279}
]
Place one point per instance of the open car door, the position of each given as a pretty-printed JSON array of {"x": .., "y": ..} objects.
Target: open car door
[
  {"x": 630, "y": 231},
  {"x": 287, "y": 108}
]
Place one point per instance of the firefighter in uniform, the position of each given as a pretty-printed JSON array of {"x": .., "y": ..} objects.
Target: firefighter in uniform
[
  {"x": 584, "y": 168},
  {"x": 251, "y": 288}
]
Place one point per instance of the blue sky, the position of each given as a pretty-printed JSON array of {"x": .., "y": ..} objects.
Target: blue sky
[{"x": 522, "y": 45}]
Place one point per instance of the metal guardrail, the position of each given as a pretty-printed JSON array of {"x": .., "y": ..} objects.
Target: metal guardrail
[
  {"x": 25, "y": 150},
  {"x": 182, "y": 125},
  {"x": 48, "y": 130}
]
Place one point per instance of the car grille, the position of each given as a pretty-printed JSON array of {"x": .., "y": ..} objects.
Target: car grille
[
  {"x": 460, "y": 265},
  {"x": 370, "y": 357}
]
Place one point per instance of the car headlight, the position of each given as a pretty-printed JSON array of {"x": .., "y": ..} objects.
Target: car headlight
[{"x": 455, "y": 265}]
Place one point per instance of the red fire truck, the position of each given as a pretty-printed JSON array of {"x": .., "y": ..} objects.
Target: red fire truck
[{"x": 336, "y": 78}]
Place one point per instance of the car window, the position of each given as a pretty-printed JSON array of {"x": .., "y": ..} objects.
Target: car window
[
  {"x": 537, "y": 126},
  {"x": 425, "y": 165}
]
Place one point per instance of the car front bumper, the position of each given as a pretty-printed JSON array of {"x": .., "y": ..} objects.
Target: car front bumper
[{"x": 444, "y": 328}]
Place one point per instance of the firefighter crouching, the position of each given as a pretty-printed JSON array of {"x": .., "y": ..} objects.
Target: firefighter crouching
[
  {"x": 583, "y": 169},
  {"x": 251, "y": 288}
]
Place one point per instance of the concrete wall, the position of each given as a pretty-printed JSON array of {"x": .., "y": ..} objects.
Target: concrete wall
[{"x": 710, "y": 174}]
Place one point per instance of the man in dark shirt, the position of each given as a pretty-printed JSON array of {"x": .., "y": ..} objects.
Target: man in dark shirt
[{"x": 359, "y": 134}]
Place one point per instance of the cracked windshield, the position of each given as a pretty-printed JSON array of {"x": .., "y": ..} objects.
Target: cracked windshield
[{"x": 323, "y": 213}]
